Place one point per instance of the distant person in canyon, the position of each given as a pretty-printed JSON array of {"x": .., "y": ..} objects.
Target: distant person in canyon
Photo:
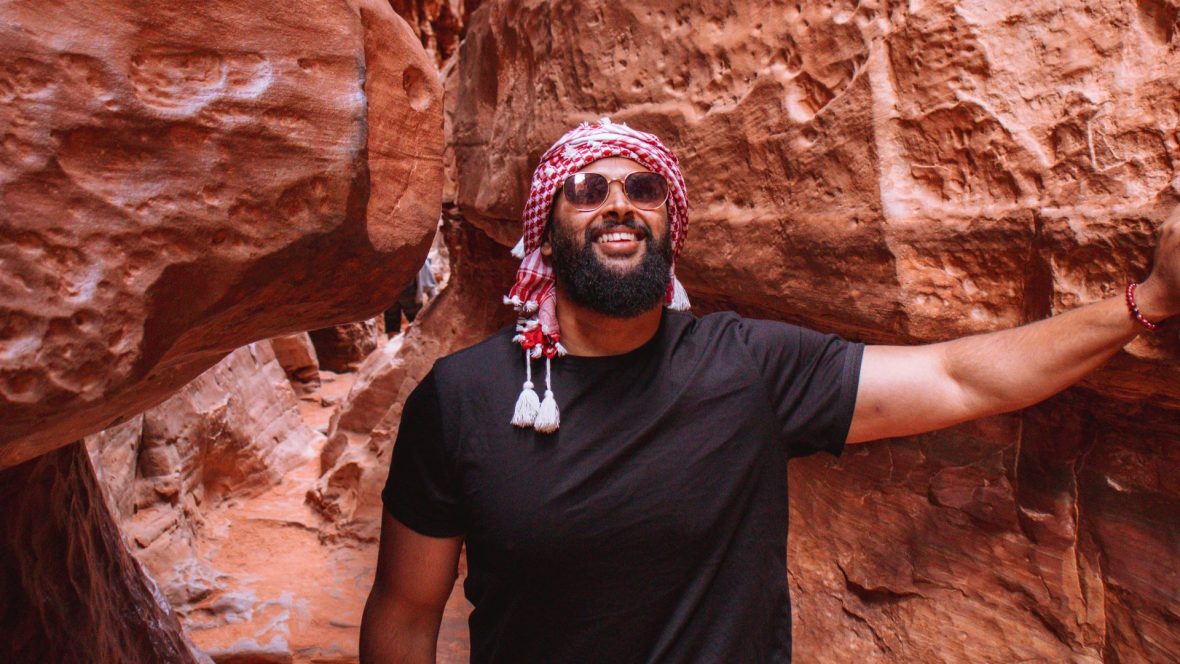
[{"x": 637, "y": 512}]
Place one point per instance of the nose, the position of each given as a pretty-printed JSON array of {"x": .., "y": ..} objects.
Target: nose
[{"x": 616, "y": 199}]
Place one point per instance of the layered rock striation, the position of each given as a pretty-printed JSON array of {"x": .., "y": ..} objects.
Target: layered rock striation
[
  {"x": 177, "y": 184},
  {"x": 72, "y": 592},
  {"x": 180, "y": 183}
]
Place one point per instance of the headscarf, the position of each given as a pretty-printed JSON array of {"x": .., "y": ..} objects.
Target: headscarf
[{"x": 533, "y": 295}]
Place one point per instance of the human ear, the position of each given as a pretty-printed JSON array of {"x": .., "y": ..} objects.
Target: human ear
[{"x": 546, "y": 246}]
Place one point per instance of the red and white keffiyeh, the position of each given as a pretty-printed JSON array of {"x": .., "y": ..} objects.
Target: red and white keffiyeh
[{"x": 533, "y": 295}]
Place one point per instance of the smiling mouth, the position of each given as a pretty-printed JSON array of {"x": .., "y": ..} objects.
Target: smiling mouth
[{"x": 619, "y": 236}]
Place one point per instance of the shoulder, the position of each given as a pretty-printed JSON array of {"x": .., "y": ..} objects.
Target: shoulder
[
  {"x": 729, "y": 326},
  {"x": 684, "y": 323}
]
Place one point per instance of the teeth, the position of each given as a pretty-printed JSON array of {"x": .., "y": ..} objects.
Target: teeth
[{"x": 615, "y": 237}]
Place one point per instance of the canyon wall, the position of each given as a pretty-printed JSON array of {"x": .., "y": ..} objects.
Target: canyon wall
[
  {"x": 903, "y": 173},
  {"x": 70, "y": 591},
  {"x": 177, "y": 184}
]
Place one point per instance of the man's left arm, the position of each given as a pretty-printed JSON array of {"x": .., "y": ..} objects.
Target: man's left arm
[{"x": 906, "y": 390}]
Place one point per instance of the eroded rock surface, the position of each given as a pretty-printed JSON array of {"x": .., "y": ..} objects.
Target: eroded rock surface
[
  {"x": 71, "y": 591},
  {"x": 1046, "y": 535},
  {"x": 208, "y": 489},
  {"x": 897, "y": 173},
  {"x": 232, "y": 433},
  {"x": 355, "y": 460},
  {"x": 177, "y": 184},
  {"x": 342, "y": 348},
  {"x": 893, "y": 172},
  {"x": 905, "y": 173},
  {"x": 438, "y": 23},
  {"x": 296, "y": 354}
]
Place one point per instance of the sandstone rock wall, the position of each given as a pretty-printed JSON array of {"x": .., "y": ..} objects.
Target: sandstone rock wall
[
  {"x": 438, "y": 23},
  {"x": 363, "y": 428},
  {"x": 905, "y": 173},
  {"x": 71, "y": 591},
  {"x": 232, "y": 433},
  {"x": 342, "y": 348},
  {"x": 894, "y": 172},
  {"x": 179, "y": 475},
  {"x": 178, "y": 183},
  {"x": 296, "y": 354}
]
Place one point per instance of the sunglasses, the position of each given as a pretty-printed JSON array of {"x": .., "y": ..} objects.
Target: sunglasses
[{"x": 588, "y": 191}]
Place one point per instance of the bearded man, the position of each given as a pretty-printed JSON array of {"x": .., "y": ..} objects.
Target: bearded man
[{"x": 637, "y": 512}]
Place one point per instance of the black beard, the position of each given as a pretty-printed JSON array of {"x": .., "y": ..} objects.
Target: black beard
[{"x": 591, "y": 284}]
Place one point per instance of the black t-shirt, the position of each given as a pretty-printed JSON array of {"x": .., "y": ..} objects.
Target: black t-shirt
[{"x": 652, "y": 526}]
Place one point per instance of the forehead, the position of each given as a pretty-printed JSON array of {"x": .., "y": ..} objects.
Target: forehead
[{"x": 613, "y": 167}]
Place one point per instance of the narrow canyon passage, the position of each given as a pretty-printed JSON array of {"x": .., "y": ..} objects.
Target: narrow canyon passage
[{"x": 207, "y": 215}]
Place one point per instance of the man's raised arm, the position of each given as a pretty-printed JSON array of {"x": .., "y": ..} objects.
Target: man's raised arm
[
  {"x": 908, "y": 390},
  {"x": 415, "y": 575}
]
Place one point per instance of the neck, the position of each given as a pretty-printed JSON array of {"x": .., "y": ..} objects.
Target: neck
[{"x": 589, "y": 333}]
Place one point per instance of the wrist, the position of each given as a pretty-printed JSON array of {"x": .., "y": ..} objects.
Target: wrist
[{"x": 1151, "y": 303}]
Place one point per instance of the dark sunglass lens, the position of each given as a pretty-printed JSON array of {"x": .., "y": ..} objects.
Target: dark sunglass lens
[
  {"x": 647, "y": 190},
  {"x": 585, "y": 190}
]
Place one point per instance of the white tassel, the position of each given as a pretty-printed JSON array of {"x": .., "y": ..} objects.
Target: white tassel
[
  {"x": 518, "y": 250},
  {"x": 527, "y": 404},
  {"x": 679, "y": 296},
  {"x": 548, "y": 419}
]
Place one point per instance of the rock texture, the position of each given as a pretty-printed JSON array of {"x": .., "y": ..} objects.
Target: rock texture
[
  {"x": 296, "y": 354},
  {"x": 1048, "y": 535},
  {"x": 198, "y": 485},
  {"x": 342, "y": 348},
  {"x": 904, "y": 173},
  {"x": 178, "y": 183},
  {"x": 896, "y": 174},
  {"x": 71, "y": 591},
  {"x": 438, "y": 23},
  {"x": 210, "y": 488},
  {"x": 355, "y": 460},
  {"x": 233, "y": 432}
]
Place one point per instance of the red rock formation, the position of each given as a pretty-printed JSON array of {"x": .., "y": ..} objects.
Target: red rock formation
[
  {"x": 297, "y": 356},
  {"x": 924, "y": 169},
  {"x": 355, "y": 460},
  {"x": 198, "y": 483},
  {"x": 897, "y": 173},
  {"x": 438, "y": 23},
  {"x": 342, "y": 348},
  {"x": 905, "y": 173},
  {"x": 209, "y": 487},
  {"x": 71, "y": 591},
  {"x": 180, "y": 183}
]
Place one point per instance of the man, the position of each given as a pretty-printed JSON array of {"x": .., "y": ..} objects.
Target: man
[{"x": 638, "y": 511}]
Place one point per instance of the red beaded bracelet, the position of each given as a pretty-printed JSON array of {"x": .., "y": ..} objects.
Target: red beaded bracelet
[{"x": 1135, "y": 309}]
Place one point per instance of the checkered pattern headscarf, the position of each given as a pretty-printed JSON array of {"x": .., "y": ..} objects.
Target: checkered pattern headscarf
[{"x": 533, "y": 295}]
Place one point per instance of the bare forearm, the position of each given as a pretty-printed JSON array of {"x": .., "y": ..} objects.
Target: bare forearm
[
  {"x": 1011, "y": 369},
  {"x": 908, "y": 390}
]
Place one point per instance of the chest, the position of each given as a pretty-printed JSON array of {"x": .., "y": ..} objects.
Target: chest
[{"x": 655, "y": 461}]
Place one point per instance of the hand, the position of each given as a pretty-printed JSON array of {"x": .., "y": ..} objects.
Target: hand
[{"x": 1158, "y": 297}]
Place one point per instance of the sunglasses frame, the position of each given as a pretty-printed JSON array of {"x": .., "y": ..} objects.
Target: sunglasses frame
[{"x": 610, "y": 181}]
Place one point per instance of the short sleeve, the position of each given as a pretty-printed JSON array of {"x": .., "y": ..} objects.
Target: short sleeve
[
  {"x": 423, "y": 491},
  {"x": 812, "y": 380}
]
